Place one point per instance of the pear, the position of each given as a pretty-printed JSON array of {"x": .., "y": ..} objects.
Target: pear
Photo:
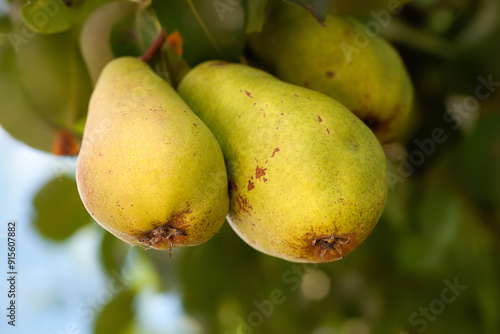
[
  {"x": 341, "y": 60},
  {"x": 308, "y": 179},
  {"x": 372, "y": 9},
  {"x": 149, "y": 170}
]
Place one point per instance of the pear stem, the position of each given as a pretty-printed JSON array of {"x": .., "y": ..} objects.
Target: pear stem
[{"x": 154, "y": 47}]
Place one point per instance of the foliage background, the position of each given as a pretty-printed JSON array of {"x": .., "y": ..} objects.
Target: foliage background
[{"x": 441, "y": 222}]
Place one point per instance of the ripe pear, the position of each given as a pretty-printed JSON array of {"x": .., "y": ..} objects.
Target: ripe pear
[
  {"x": 149, "y": 170},
  {"x": 362, "y": 71},
  {"x": 308, "y": 179}
]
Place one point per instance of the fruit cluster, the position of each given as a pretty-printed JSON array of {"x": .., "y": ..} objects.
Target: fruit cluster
[{"x": 299, "y": 172}]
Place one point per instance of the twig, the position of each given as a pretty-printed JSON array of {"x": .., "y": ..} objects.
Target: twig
[{"x": 154, "y": 47}]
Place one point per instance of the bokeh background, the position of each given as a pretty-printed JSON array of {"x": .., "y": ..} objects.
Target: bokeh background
[{"x": 431, "y": 265}]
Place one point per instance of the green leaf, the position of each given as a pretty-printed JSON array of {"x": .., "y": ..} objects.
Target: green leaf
[
  {"x": 58, "y": 83},
  {"x": 113, "y": 253},
  {"x": 175, "y": 65},
  {"x": 254, "y": 11},
  {"x": 59, "y": 212},
  {"x": 318, "y": 8},
  {"x": 230, "y": 276},
  {"x": 209, "y": 29},
  {"x": 18, "y": 116},
  {"x": 123, "y": 38},
  {"x": 117, "y": 316},
  {"x": 48, "y": 16},
  {"x": 146, "y": 27},
  {"x": 142, "y": 270},
  {"x": 95, "y": 35},
  {"x": 53, "y": 16},
  {"x": 132, "y": 35}
]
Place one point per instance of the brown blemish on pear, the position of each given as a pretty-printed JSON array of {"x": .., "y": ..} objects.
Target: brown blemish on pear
[
  {"x": 259, "y": 172},
  {"x": 131, "y": 171},
  {"x": 310, "y": 208},
  {"x": 371, "y": 83}
]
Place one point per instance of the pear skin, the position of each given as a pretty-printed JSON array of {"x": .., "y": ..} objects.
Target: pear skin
[
  {"x": 308, "y": 179},
  {"x": 361, "y": 71},
  {"x": 149, "y": 170}
]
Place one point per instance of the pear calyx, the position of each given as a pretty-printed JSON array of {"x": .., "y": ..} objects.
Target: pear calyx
[{"x": 331, "y": 242}]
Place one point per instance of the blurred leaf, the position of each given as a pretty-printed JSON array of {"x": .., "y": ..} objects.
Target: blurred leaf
[
  {"x": 209, "y": 29},
  {"x": 401, "y": 32},
  {"x": 166, "y": 267},
  {"x": 95, "y": 35},
  {"x": 318, "y": 8},
  {"x": 59, "y": 212},
  {"x": 53, "y": 16},
  {"x": 254, "y": 11},
  {"x": 123, "y": 38},
  {"x": 488, "y": 292},
  {"x": 438, "y": 215},
  {"x": 18, "y": 115},
  {"x": 481, "y": 160},
  {"x": 57, "y": 82},
  {"x": 133, "y": 34},
  {"x": 117, "y": 316},
  {"x": 48, "y": 16},
  {"x": 113, "y": 252},
  {"x": 143, "y": 271},
  {"x": 230, "y": 274},
  {"x": 146, "y": 27},
  {"x": 86, "y": 8},
  {"x": 176, "y": 66},
  {"x": 398, "y": 198}
]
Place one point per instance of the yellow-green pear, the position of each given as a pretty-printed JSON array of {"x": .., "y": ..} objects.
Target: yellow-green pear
[
  {"x": 149, "y": 170},
  {"x": 342, "y": 59},
  {"x": 308, "y": 179}
]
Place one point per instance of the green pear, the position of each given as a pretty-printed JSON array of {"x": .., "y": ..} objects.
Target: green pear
[
  {"x": 341, "y": 60},
  {"x": 149, "y": 170},
  {"x": 308, "y": 179}
]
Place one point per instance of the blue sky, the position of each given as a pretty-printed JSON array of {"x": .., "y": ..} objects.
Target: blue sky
[{"x": 45, "y": 269}]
